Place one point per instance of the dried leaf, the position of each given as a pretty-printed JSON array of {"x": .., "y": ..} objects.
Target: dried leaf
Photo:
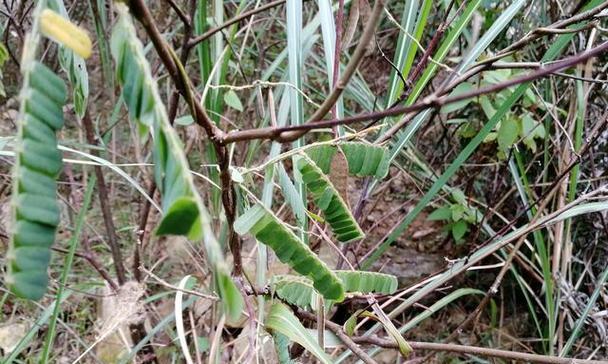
[
  {"x": 338, "y": 174},
  {"x": 351, "y": 27}
]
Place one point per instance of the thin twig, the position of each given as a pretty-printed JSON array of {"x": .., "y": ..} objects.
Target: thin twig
[
  {"x": 234, "y": 20},
  {"x": 475, "y": 350},
  {"x": 103, "y": 202},
  {"x": 282, "y": 134},
  {"x": 339, "y": 332}
]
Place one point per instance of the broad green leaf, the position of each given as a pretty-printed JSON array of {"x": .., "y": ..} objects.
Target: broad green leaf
[
  {"x": 335, "y": 210},
  {"x": 322, "y": 155},
  {"x": 232, "y": 99},
  {"x": 459, "y": 196},
  {"x": 183, "y": 210},
  {"x": 351, "y": 323},
  {"x": 184, "y": 120},
  {"x": 282, "y": 320},
  {"x": 363, "y": 159},
  {"x": 530, "y": 130},
  {"x": 507, "y": 133},
  {"x": 295, "y": 290},
  {"x": 442, "y": 213},
  {"x": 281, "y": 343},
  {"x": 459, "y": 228},
  {"x": 268, "y": 229},
  {"x": 367, "y": 282},
  {"x": 460, "y": 89},
  {"x": 457, "y": 211}
]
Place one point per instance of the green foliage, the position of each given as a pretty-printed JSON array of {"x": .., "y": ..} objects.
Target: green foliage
[
  {"x": 299, "y": 290},
  {"x": 34, "y": 207},
  {"x": 458, "y": 214},
  {"x": 268, "y": 229},
  {"x": 363, "y": 159},
  {"x": 281, "y": 343},
  {"x": 367, "y": 282},
  {"x": 322, "y": 155},
  {"x": 295, "y": 290},
  {"x": 281, "y": 320},
  {"x": 183, "y": 211},
  {"x": 3, "y": 58},
  {"x": 232, "y": 99},
  {"x": 327, "y": 198}
]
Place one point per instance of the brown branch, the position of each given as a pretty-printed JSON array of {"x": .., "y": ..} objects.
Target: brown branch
[
  {"x": 432, "y": 101},
  {"x": 137, "y": 330},
  {"x": 476, "y": 350},
  {"x": 234, "y": 20},
  {"x": 141, "y": 232},
  {"x": 185, "y": 53},
  {"x": 351, "y": 343},
  {"x": 90, "y": 257},
  {"x": 535, "y": 34},
  {"x": 141, "y": 12},
  {"x": 103, "y": 202},
  {"x": 349, "y": 71},
  {"x": 339, "y": 332},
  {"x": 180, "y": 13}
]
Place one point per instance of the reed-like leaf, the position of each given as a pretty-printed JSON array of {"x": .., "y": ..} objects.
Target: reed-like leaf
[{"x": 282, "y": 320}]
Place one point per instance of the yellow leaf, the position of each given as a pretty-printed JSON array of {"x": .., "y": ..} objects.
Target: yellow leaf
[{"x": 66, "y": 33}]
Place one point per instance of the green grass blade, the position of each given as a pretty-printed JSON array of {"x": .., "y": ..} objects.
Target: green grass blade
[
  {"x": 67, "y": 267},
  {"x": 555, "y": 49},
  {"x": 405, "y": 51},
  {"x": 581, "y": 320}
]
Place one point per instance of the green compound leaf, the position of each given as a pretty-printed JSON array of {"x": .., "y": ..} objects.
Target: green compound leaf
[
  {"x": 268, "y": 229},
  {"x": 363, "y": 159},
  {"x": 367, "y": 282},
  {"x": 295, "y": 290},
  {"x": 322, "y": 155},
  {"x": 183, "y": 210},
  {"x": 328, "y": 199},
  {"x": 299, "y": 290},
  {"x": 281, "y": 344},
  {"x": 281, "y": 320},
  {"x": 35, "y": 211}
]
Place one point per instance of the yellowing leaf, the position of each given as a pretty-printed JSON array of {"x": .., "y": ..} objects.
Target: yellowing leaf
[{"x": 63, "y": 31}]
